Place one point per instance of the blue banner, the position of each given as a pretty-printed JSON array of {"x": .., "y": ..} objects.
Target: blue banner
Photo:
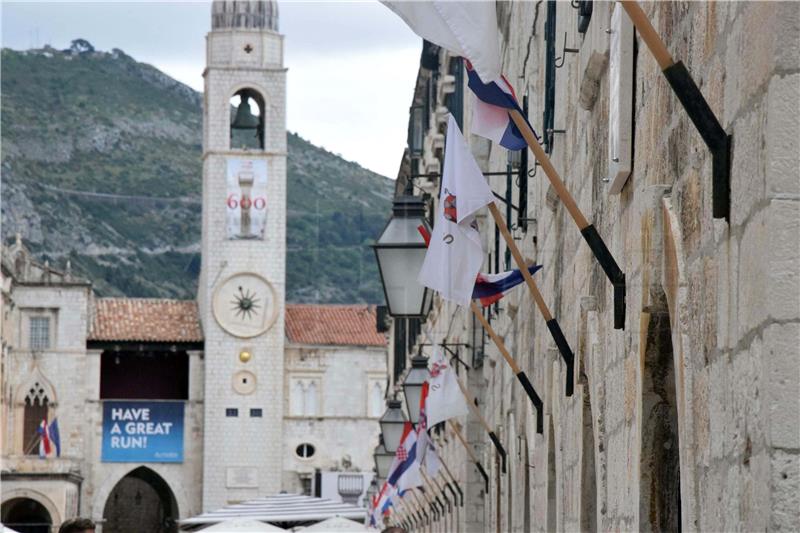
[{"x": 142, "y": 432}]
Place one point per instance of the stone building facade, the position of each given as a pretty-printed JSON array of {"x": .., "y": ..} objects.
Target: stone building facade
[
  {"x": 166, "y": 409},
  {"x": 689, "y": 417}
]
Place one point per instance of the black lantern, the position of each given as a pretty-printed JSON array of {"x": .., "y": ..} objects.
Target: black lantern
[
  {"x": 412, "y": 386},
  {"x": 383, "y": 460},
  {"x": 400, "y": 251},
  {"x": 392, "y": 424},
  {"x": 372, "y": 490}
]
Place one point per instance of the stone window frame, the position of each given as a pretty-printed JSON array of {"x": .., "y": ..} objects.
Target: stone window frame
[
  {"x": 35, "y": 381},
  {"x": 374, "y": 378},
  {"x": 37, "y": 313},
  {"x": 305, "y": 379}
]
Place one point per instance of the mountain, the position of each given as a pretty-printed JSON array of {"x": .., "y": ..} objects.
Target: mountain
[{"x": 101, "y": 165}]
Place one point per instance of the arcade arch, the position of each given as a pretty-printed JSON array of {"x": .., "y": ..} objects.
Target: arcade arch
[{"x": 141, "y": 501}]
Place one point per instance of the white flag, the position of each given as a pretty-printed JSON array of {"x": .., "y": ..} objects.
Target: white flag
[
  {"x": 455, "y": 254},
  {"x": 466, "y": 28},
  {"x": 445, "y": 399}
]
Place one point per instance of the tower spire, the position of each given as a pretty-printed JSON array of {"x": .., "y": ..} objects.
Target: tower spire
[{"x": 244, "y": 14}]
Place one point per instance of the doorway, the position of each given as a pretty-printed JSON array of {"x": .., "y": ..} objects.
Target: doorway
[
  {"x": 141, "y": 501},
  {"x": 26, "y": 516}
]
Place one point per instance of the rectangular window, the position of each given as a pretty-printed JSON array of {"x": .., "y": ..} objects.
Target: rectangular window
[
  {"x": 231, "y": 412},
  {"x": 256, "y": 413},
  {"x": 39, "y": 333}
]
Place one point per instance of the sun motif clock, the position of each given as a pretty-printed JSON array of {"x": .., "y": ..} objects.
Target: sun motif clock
[{"x": 245, "y": 305}]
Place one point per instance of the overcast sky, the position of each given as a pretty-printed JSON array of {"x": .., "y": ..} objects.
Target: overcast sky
[{"x": 352, "y": 65}]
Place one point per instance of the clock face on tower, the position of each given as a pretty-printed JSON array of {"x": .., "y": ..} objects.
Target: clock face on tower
[{"x": 245, "y": 305}]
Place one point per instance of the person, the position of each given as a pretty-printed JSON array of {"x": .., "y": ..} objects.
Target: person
[{"x": 77, "y": 525}]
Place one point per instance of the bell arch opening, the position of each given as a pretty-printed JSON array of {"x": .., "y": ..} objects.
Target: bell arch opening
[
  {"x": 660, "y": 480},
  {"x": 141, "y": 501},
  {"x": 26, "y": 515},
  {"x": 247, "y": 120}
]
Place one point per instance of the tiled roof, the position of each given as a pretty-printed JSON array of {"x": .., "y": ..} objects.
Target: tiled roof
[
  {"x": 353, "y": 325},
  {"x": 146, "y": 320}
]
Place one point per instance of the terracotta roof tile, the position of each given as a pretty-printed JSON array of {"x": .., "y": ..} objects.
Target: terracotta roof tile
[
  {"x": 353, "y": 325},
  {"x": 146, "y": 320}
]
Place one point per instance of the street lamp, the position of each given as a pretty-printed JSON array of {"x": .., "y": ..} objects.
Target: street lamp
[
  {"x": 400, "y": 251},
  {"x": 412, "y": 386},
  {"x": 372, "y": 490},
  {"x": 383, "y": 460},
  {"x": 392, "y": 424}
]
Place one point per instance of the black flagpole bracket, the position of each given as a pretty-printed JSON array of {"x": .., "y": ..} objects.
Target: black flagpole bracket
[
  {"x": 500, "y": 449},
  {"x": 535, "y": 399},
  {"x": 612, "y": 270},
  {"x": 566, "y": 353},
  {"x": 717, "y": 141},
  {"x": 479, "y": 466}
]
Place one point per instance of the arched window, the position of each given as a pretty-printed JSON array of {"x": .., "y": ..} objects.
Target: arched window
[
  {"x": 311, "y": 399},
  {"x": 35, "y": 411},
  {"x": 297, "y": 397},
  {"x": 247, "y": 120},
  {"x": 376, "y": 400}
]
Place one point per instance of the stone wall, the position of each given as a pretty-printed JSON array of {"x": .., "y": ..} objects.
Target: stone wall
[{"x": 697, "y": 399}]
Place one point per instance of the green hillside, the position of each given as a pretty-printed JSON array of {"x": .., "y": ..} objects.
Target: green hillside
[{"x": 101, "y": 164}]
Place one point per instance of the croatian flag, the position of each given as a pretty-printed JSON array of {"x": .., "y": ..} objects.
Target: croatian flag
[
  {"x": 489, "y": 288},
  {"x": 404, "y": 473},
  {"x": 469, "y": 29},
  {"x": 45, "y": 447},
  {"x": 55, "y": 436},
  {"x": 490, "y": 117}
]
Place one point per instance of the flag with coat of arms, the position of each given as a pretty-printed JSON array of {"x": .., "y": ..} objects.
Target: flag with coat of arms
[
  {"x": 455, "y": 253},
  {"x": 444, "y": 399}
]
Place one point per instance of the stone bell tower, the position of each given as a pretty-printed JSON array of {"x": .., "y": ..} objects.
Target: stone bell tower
[{"x": 241, "y": 291}]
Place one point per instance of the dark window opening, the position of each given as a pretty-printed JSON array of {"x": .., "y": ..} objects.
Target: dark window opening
[
  {"x": 147, "y": 375},
  {"x": 660, "y": 484},
  {"x": 305, "y": 450},
  {"x": 256, "y": 413},
  {"x": 455, "y": 101},
  {"x": 231, "y": 412},
  {"x": 549, "y": 76},
  {"x": 34, "y": 414},
  {"x": 584, "y": 15}
]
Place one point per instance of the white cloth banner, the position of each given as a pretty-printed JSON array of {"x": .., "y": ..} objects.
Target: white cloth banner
[
  {"x": 466, "y": 28},
  {"x": 445, "y": 399},
  {"x": 455, "y": 254},
  {"x": 246, "y": 199}
]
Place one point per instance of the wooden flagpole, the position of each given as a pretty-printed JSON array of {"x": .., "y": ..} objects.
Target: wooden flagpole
[
  {"x": 696, "y": 106},
  {"x": 420, "y": 506},
  {"x": 475, "y": 411},
  {"x": 430, "y": 492},
  {"x": 454, "y": 480},
  {"x": 552, "y": 323},
  {"x": 454, "y": 429},
  {"x": 434, "y": 497},
  {"x": 523, "y": 379},
  {"x": 589, "y": 232}
]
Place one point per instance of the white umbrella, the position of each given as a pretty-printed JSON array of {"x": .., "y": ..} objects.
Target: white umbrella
[
  {"x": 242, "y": 525},
  {"x": 337, "y": 523}
]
